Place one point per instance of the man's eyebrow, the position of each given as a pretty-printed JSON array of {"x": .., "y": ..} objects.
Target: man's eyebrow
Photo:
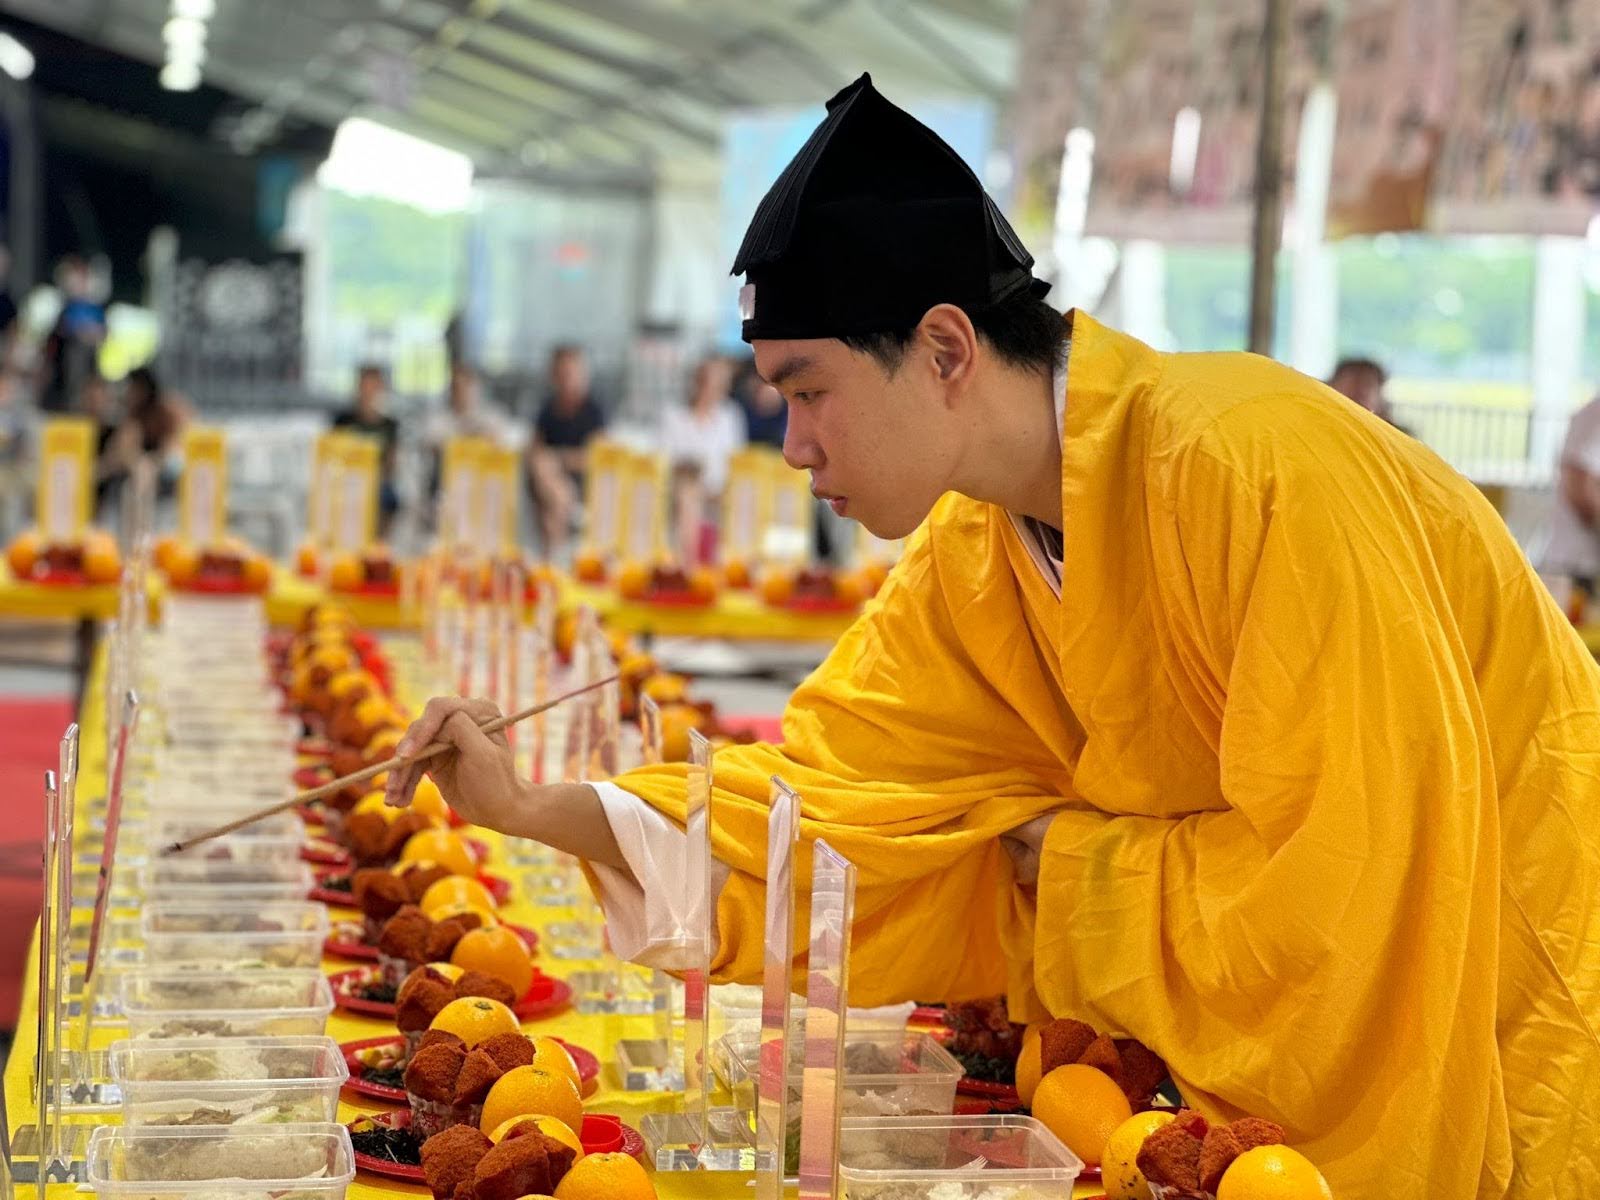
[{"x": 789, "y": 367}]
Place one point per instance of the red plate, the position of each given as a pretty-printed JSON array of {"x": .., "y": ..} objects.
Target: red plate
[
  {"x": 306, "y": 778},
  {"x": 320, "y": 850},
  {"x": 332, "y": 896},
  {"x": 399, "y": 1119},
  {"x": 213, "y": 585},
  {"x": 530, "y": 1008},
  {"x": 499, "y": 889},
  {"x": 588, "y": 1069},
  {"x": 821, "y": 604},
  {"x": 675, "y": 600},
  {"x": 345, "y": 947},
  {"x": 49, "y": 578},
  {"x": 314, "y": 747},
  {"x": 997, "y": 1094}
]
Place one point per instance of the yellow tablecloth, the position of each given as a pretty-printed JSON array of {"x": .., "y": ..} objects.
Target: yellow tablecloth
[
  {"x": 735, "y": 616},
  {"x": 597, "y": 1033},
  {"x": 23, "y": 600}
]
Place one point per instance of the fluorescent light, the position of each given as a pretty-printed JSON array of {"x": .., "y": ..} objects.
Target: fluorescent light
[
  {"x": 1185, "y": 150},
  {"x": 183, "y": 32},
  {"x": 369, "y": 159},
  {"x": 16, "y": 60},
  {"x": 187, "y": 57},
  {"x": 195, "y": 10},
  {"x": 180, "y": 77}
]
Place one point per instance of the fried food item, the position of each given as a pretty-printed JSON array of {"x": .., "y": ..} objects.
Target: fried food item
[
  {"x": 1143, "y": 1071},
  {"x": 1256, "y": 1131},
  {"x": 445, "y": 934},
  {"x": 1217, "y": 1153},
  {"x": 422, "y": 995},
  {"x": 419, "y": 877},
  {"x": 510, "y": 1050},
  {"x": 1063, "y": 1042},
  {"x": 478, "y": 983},
  {"x": 1171, "y": 1155},
  {"x": 432, "y": 1072},
  {"x": 479, "y": 1073},
  {"x": 526, "y": 1162},
  {"x": 399, "y": 832},
  {"x": 1101, "y": 1054},
  {"x": 378, "y": 893},
  {"x": 367, "y": 836},
  {"x": 405, "y": 935},
  {"x": 440, "y": 1037},
  {"x": 451, "y": 1158}
]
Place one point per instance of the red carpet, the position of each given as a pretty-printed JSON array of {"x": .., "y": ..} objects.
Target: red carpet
[{"x": 30, "y": 731}]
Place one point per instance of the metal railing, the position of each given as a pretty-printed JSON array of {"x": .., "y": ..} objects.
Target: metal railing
[{"x": 1513, "y": 446}]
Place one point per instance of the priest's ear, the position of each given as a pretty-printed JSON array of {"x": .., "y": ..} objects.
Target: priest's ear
[{"x": 948, "y": 333}]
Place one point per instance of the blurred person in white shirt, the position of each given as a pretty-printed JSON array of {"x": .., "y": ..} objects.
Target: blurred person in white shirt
[
  {"x": 698, "y": 439},
  {"x": 1573, "y": 551}
]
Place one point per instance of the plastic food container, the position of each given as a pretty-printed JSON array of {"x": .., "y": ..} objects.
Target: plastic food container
[
  {"x": 228, "y": 1081},
  {"x": 176, "y": 1003},
  {"x": 954, "y": 1158},
  {"x": 887, "y": 1074},
  {"x": 234, "y": 849},
  {"x": 250, "y": 935},
  {"x": 178, "y": 822},
  {"x": 251, "y": 1162},
  {"x": 224, "y": 874}
]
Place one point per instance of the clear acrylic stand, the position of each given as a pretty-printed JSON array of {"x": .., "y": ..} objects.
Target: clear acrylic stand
[
  {"x": 833, "y": 895},
  {"x": 771, "y": 1103},
  {"x": 650, "y": 730}
]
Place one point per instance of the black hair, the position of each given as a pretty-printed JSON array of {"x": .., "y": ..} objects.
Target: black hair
[
  {"x": 149, "y": 386},
  {"x": 1022, "y": 330},
  {"x": 1367, "y": 366}
]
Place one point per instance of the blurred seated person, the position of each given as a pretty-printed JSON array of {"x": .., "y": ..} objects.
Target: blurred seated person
[
  {"x": 465, "y": 414},
  {"x": 151, "y": 427},
  {"x": 1573, "y": 551},
  {"x": 566, "y": 424},
  {"x": 1363, "y": 380},
  {"x": 16, "y": 448},
  {"x": 698, "y": 439},
  {"x": 367, "y": 418},
  {"x": 766, "y": 419}
]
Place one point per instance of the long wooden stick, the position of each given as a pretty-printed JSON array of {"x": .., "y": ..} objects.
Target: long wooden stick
[{"x": 432, "y": 750}]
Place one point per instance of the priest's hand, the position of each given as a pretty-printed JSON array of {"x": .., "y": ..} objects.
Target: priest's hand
[{"x": 478, "y": 779}]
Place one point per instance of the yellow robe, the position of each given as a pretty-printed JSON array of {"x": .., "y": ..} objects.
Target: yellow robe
[{"x": 1327, "y": 760}]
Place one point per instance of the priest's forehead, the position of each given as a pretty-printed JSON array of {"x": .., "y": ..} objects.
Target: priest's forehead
[{"x": 780, "y": 362}]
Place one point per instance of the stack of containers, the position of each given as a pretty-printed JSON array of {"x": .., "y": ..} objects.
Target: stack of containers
[{"x": 229, "y": 1085}]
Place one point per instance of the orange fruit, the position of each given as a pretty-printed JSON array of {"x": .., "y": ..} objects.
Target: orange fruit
[
  {"x": 703, "y": 583},
  {"x": 499, "y": 952},
  {"x": 566, "y": 632},
  {"x": 550, "y": 1055},
  {"x": 305, "y": 559},
  {"x": 777, "y": 588},
  {"x": 1272, "y": 1173},
  {"x": 102, "y": 562},
  {"x": 24, "y": 552},
  {"x": 373, "y": 802},
  {"x": 452, "y": 890},
  {"x": 486, "y": 916},
  {"x": 590, "y": 567},
  {"x": 633, "y": 580},
  {"x": 182, "y": 565},
  {"x": 473, "y": 1018},
  {"x": 346, "y": 574},
  {"x": 166, "y": 551},
  {"x": 1029, "y": 1065},
  {"x": 606, "y": 1177},
  {"x": 548, "y": 1126},
  {"x": 736, "y": 572},
  {"x": 381, "y": 745},
  {"x": 874, "y": 573},
  {"x": 1083, "y": 1107},
  {"x": 1120, "y": 1167},
  {"x": 850, "y": 587},
  {"x": 664, "y": 688},
  {"x": 635, "y": 664},
  {"x": 530, "y": 1092},
  {"x": 676, "y": 722},
  {"x": 440, "y": 846},
  {"x": 255, "y": 573},
  {"x": 429, "y": 801}
]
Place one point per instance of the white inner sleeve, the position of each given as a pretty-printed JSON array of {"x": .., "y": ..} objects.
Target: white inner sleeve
[{"x": 646, "y": 919}]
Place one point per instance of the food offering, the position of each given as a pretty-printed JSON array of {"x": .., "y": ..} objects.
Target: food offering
[
  {"x": 86, "y": 561},
  {"x": 1190, "y": 1158},
  {"x": 373, "y": 571},
  {"x": 668, "y": 583},
  {"x": 227, "y": 566},
  {"x": 817, "y": 589}
]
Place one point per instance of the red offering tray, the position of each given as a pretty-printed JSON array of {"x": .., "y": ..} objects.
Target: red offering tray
[
  {"x": 996, "y": 1095},
  {"x": 675, "y": 600},
  {"x": 62, "y": 579},
  {"x": 588, "y": 1069},
  {"x": 214, "y": 586},
  {"x": 821, "y": 604},
  {"x": 308, "y": 777},
  {"x": 340, "y": 945},
  {"x": 545, "y": 998},
  {"x": 399, "y": 1119},
  {"x": 601, "y": 1134},
  {"x": 499, "y": 888}
]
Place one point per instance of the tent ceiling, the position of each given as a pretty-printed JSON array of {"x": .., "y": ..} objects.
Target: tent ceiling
[{"x": 583, "y": 90}]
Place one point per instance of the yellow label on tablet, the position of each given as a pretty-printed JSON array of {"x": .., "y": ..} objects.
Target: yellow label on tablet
[
  {"x": 66, "y": 455},
  {"x": 203, "y": 489}
]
